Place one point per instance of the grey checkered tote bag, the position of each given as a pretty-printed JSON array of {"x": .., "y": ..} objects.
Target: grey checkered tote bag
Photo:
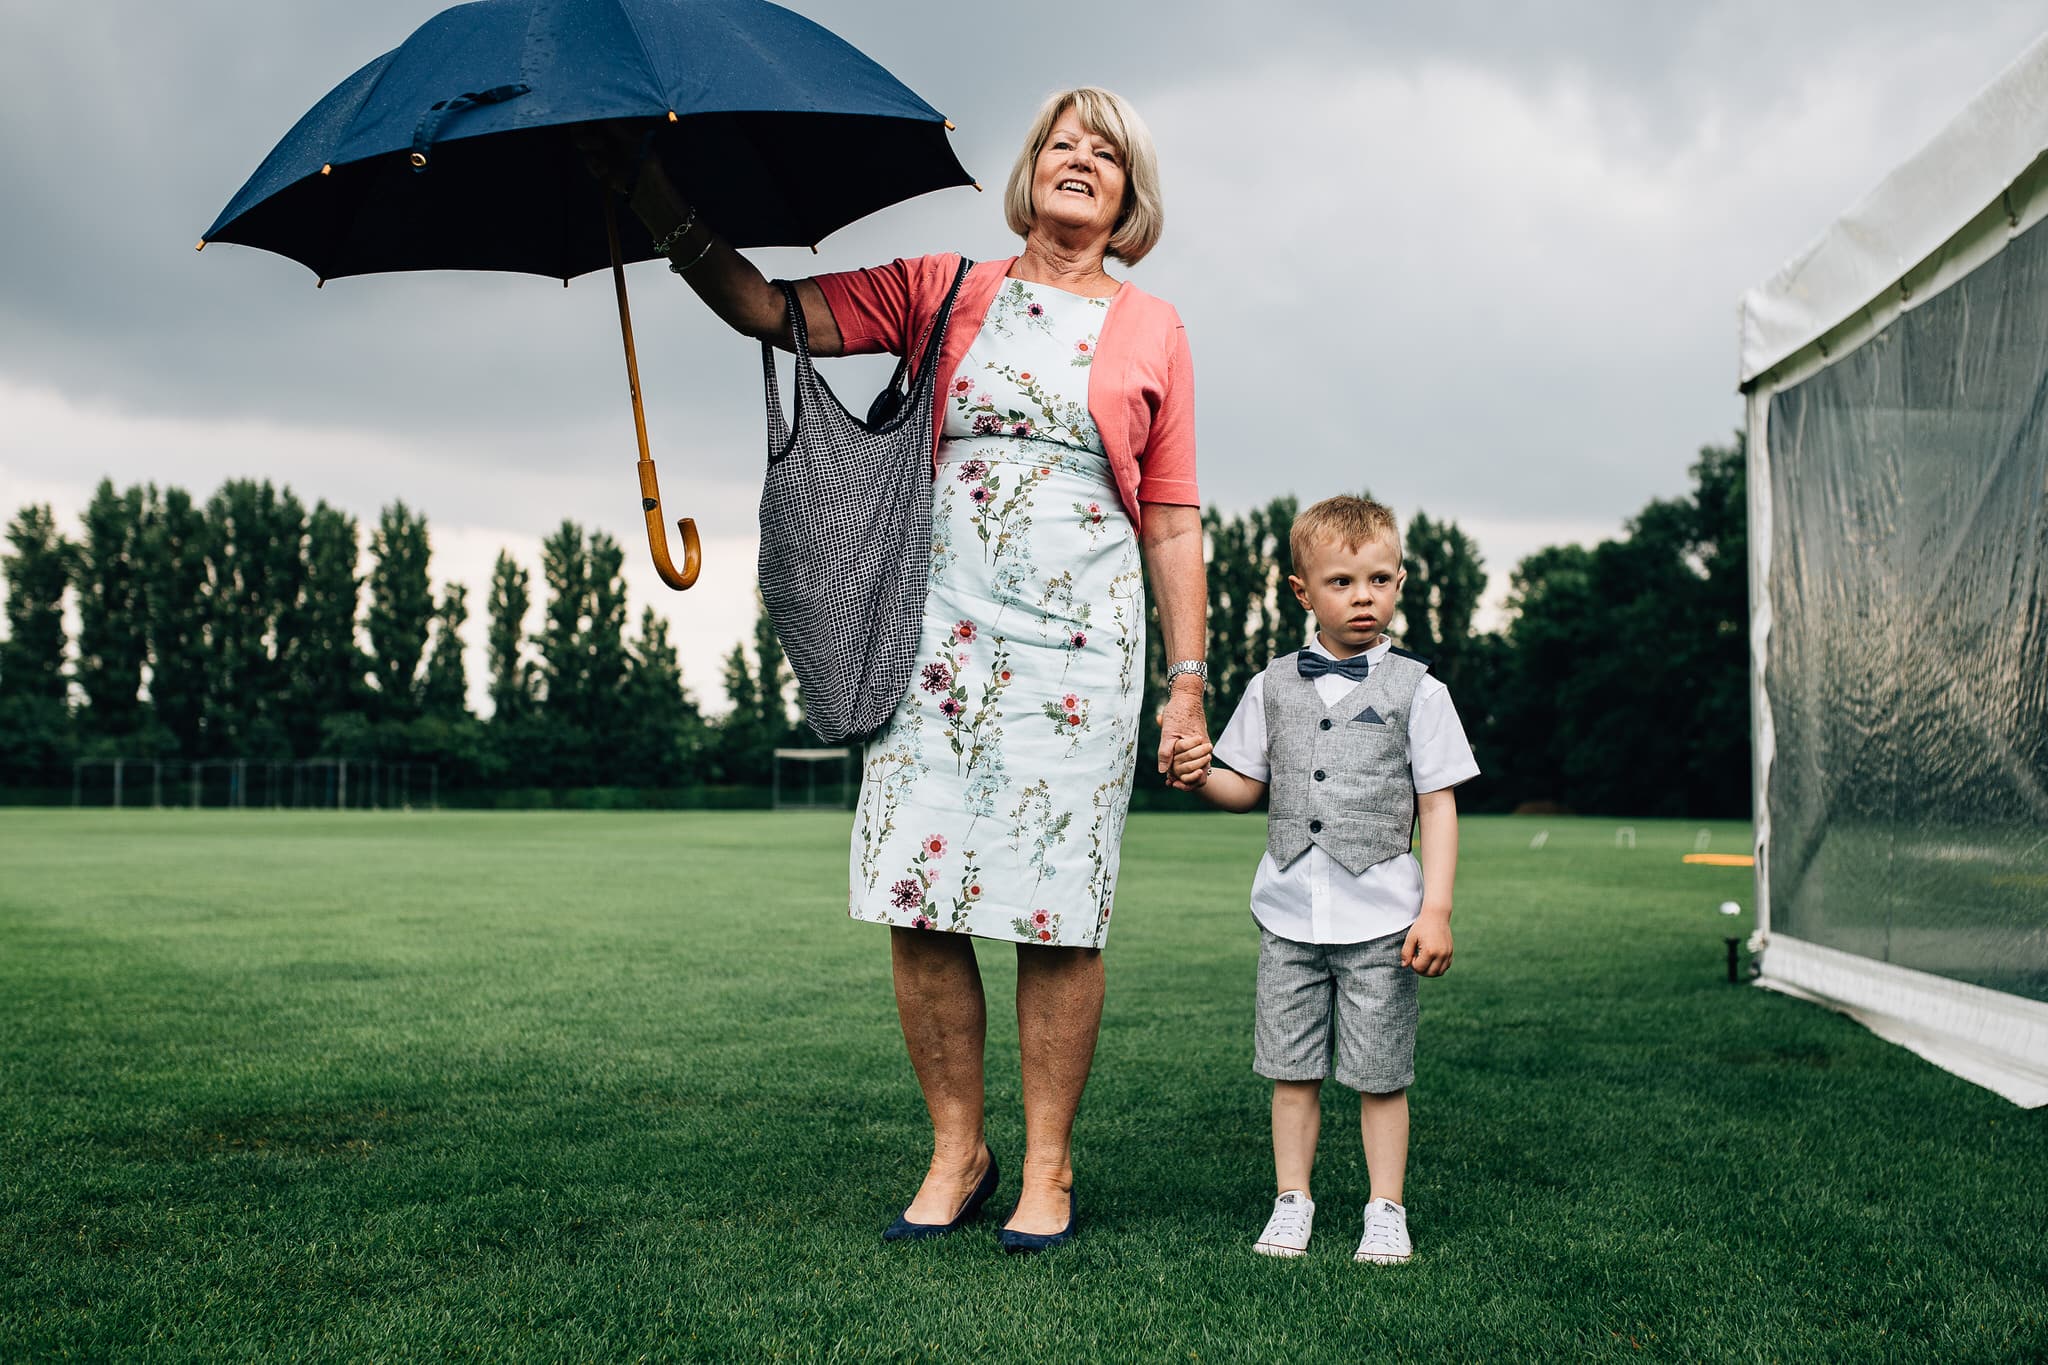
[{"x": 846, "y": 533}]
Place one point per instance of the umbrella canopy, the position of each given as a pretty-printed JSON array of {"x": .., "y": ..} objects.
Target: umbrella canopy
[{"x": 455, "y": 150}]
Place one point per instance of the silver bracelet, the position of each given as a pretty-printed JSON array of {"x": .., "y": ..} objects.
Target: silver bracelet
[
  {"x": 1186, "y": 666},
  {"x": 710, "y": 241},
  {"x": 675, "y": 239}
]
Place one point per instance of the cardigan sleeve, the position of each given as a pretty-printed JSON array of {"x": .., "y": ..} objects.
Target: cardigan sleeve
[
  {"x": 1166, "y": 468},
  {"x": 884, "y": 307}
]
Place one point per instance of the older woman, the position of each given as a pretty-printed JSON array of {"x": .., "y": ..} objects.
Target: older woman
[{"x": 993, "y": 803}]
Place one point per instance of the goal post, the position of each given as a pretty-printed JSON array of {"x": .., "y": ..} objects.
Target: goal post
[{"x": 817, "y": 779}]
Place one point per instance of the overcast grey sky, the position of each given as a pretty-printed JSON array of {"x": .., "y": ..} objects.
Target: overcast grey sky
[{"x": 1482, "y": 257}]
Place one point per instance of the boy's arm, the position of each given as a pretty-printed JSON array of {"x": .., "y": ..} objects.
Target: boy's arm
[
  {"x": 1218, "y": 786},
  {"x": 1428, "y": 948}
]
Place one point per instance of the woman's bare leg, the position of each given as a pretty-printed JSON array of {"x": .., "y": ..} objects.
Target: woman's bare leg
[
  {"x": 1059, "y": 1011},
  {"x": 945, "y": 1020}
]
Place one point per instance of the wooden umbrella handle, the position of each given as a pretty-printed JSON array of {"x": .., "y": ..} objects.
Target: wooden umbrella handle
[{"x": 650, "y": 492}]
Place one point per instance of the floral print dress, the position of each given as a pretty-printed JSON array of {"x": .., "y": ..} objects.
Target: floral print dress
[{"x": 993, "y": 803}]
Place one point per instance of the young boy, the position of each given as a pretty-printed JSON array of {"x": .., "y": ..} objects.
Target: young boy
[{"x": 1358, "y": 744}]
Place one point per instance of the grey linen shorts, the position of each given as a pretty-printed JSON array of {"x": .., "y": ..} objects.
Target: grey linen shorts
[{"x": 1355, "y": 998}]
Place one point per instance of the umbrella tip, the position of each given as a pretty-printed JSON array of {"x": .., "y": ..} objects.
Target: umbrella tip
[
  {"x": 201, "y": 246},
  {"x": 327, "y": 168},
  {"x": 672, "y": 117},
  {"x": 949, "y": 125},
  {"x": 977, "y": 187},
  {"x": 320, "y": 283}
]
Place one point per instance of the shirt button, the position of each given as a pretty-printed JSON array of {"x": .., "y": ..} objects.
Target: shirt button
[
  {"x": 1326, "y": 725},
  {"x": 1315, "y": 827},
  {"x": 1319, "y": 774}
]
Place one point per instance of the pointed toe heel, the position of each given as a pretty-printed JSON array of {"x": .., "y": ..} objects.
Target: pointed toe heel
[
  {"x": 903, "y": 1230},
  {"x": 1031, "y": 1243}
]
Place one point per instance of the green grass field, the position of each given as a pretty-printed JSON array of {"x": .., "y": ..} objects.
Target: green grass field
[{"x": 595, "y": 1087}]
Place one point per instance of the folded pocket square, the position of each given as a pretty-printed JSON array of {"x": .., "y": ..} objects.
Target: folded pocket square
[{"x": 1370, "y": 717}]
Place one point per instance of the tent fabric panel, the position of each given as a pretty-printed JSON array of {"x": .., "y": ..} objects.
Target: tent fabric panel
[
  {"x": 1905, "y": 660},
  {"x": 1960, "y": 176},
  {"x": 1986, "y": 1037}
]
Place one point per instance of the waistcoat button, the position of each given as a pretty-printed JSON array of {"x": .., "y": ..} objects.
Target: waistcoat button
[
  {"x": 1320, "y": 774},
  {"x": 1326, "y": 725},
  {"x": 1315, "y": 827}
]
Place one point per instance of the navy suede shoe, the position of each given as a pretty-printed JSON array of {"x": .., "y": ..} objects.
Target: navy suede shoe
[
  {"x": 1031, "y": 1243},
  {"x": 903, "y": 1230}
]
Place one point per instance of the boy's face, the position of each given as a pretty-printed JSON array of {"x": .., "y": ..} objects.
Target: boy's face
[{"x": 1353, "y": 591}]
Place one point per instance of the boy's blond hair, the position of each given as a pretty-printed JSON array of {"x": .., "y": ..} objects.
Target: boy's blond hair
[{"x": 1343, "y": 520}]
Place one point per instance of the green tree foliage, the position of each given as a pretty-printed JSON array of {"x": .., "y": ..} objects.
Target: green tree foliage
[
  {"x": 1446, "y": 578},
  {"x": 759, "y": 720},
  {"x": 38, "y": 569},
  {"x": 256, "y": 570},
  {"x": 583, "y": 657},
  {"x": 1619, "y": 684},
  {"x": 1251, "y": 607},
  {"x": 35, "y": 721},
  {"x": 113, "y": 627},
  {"x": 175, "y": 598},
  {"x": 565, "y": 568},
  {"x": 661, "y": 731},
  {"x": 602, "y": 643},
  {"x": 445, "y": 692},
  {"x": 325, "y": 664},
  {"x": 401, "y": 610},
  {"x": 513, "y": 677},
  {"x": 773, "y": 681},
  {"x": 1625, "y": 687}
]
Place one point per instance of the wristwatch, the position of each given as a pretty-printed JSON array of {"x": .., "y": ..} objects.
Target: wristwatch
[{"x": 1186, "y": 666}]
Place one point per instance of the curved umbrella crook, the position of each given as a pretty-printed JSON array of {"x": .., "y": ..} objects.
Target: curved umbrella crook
[{"x": 650, "y": 494}]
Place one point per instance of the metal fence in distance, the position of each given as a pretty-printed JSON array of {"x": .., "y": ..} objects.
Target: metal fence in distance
[{"x": 246, "y": 784}]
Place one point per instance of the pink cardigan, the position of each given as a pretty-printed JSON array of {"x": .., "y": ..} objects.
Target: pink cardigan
[{"x": 1141, "y": 386}]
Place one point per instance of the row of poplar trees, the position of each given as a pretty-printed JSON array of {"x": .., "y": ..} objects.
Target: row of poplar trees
[
  {"x": 232, "y": 629},
  {"x": 245, "y": 627}
]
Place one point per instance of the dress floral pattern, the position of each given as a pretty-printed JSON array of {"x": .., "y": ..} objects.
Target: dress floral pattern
[{"x": 994, "y": 801}]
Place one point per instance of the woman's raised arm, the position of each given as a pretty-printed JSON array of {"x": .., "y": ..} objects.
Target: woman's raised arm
[{"x": 727, "y": 281}]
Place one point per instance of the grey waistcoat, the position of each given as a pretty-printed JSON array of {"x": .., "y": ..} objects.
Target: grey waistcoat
[{"x": 1340, "y": 774}]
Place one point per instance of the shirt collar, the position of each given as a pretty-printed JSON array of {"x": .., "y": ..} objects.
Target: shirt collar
[{"x": 1372, "y": 656}]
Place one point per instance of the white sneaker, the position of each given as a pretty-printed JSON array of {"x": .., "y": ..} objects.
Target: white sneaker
[
  {"x": 1287, "y": 1231},
  {"x": 1386, "y": 1234}
]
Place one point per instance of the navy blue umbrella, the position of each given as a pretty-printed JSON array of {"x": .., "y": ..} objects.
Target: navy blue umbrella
[{"x": 456, "y": 150}]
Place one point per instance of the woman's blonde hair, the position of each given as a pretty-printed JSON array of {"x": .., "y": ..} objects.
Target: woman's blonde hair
[{"x": 1107, "y": 115}]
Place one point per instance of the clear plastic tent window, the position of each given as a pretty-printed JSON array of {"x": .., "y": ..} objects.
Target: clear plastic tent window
[{"x": 1906, "y": 666}]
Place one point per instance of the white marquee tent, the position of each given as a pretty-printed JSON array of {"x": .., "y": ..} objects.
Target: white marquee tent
[{"x": 1897, "y": 382}]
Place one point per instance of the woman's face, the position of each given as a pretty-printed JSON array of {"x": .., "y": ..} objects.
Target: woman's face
[{"x": 1078, "y": 184}]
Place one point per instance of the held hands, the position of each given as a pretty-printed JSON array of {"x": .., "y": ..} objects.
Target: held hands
[
  {"x": 1428, "y": 946},
  {"x": 1188, "y": 768},
  {"x": 1181, "y": 722}
]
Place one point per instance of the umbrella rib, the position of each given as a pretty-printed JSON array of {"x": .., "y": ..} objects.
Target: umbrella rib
[{"x": 639, "y": 41}]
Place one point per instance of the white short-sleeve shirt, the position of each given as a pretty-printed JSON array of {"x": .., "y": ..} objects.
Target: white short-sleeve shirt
[{"x": 1314, "y": 899}]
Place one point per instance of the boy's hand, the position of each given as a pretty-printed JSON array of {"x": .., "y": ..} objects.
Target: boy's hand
[
  {"x": 1428, "y": 946},
  {"x": 1190, "y": 764}
]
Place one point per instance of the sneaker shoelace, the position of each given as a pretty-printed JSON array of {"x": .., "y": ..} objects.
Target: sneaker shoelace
[
  {"x": 1288, "y": 1219},
  {"x": 1383, "y": 1228}
]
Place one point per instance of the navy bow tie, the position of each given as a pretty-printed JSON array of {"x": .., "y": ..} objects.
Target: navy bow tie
[{"x": 1313, "y": 665}]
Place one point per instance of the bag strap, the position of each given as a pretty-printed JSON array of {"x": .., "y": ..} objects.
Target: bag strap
[
  {"x": 781, "y": 430},
  {"x": 935, "y": 331}
]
